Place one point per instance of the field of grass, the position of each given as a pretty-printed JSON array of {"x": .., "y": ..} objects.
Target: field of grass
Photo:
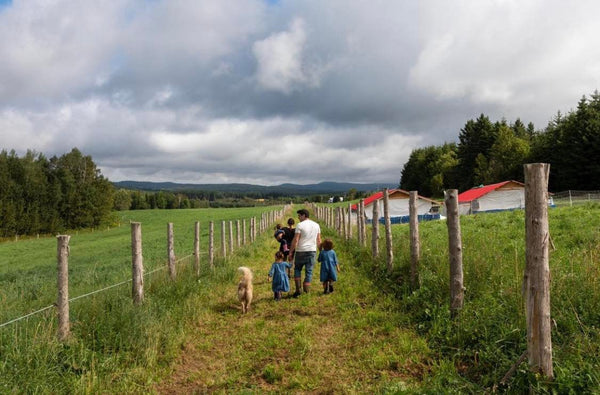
[
  {"x": 490, "y": 333},
  {"x": 103, "y": 257},
  {"x": 372, "y": 335}
]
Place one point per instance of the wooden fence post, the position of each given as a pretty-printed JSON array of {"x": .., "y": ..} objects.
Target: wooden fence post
[
  {"x": 223, "y": 240},
  {"x": 415, "y": 244},
  {"x": 536, "y": 284},
  {"x": 211, "y": 244},
  {"x": 363, "y": 220},
  {"x": 171, "y": 251},
  {"x": 388, "y": 230},
  {"x": 375, "y": 235},
  {"x": 349, "y": 221},
  {"x": 244, "y": 231},
  {"x": 343, "y": 224},
  {"x": 455, "y": 252},
  {"x": 197, "y": 248},
  {"x": 137, "y": 265},
  {"x": 230, "y": 237},
  {"x": 237, "y": 232},
  {"x": 62, "y": 302}
]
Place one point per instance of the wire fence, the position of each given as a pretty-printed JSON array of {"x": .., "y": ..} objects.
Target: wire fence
[
  {"x": 571, "y": 198},
  {"x": 93, "y": 292}
]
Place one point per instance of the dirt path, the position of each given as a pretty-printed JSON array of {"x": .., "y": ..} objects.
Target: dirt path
[{"x": 348, "y": 341}]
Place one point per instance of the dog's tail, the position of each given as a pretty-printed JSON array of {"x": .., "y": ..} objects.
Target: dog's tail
[{"x": 246, "y": 272}]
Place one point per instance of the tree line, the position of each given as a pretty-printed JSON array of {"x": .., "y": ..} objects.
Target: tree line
[
  {"x": 48, "y": 196},
  {"x": 488, "y": 152},
  {"x": 41, "y": 195}
]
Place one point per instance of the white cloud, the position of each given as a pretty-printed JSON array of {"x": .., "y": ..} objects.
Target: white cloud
[{"x": 281, "y": 63}]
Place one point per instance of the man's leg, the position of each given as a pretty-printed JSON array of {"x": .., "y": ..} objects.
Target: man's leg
[
  {"x": 298, "y": 264},
  {"x": 310, "y": 263}
]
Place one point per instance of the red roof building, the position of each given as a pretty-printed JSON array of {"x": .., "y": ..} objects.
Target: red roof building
[
  {"x": 506, "y": 195},
  {"x": 398, "y": 204}
]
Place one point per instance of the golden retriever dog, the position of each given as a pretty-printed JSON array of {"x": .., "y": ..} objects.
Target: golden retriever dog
[{"x": 245, "y": 288}]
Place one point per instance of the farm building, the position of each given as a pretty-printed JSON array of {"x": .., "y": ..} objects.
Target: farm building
[
  {"x": 506, "y": 195},
  {"x": 427, "y": 209}
]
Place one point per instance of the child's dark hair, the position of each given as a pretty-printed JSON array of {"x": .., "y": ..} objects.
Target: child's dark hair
[
  {"x": 327, "y": 245},
  {"x": 278, "y": 226},
  {"x": 279, "y": 255}
]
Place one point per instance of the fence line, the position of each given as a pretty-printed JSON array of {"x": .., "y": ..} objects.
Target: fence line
[
  {"x": 28, "y": 315},
  {"x": 537, "y": 274},
  {"x": 163, "y": 267},
  {"x": 91, "y": 293}
]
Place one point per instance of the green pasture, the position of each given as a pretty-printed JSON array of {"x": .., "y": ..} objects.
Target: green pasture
[
  {"x": 489, "y": 334},
  {"x": 373, "y": 335},
  {"x": 102, "y": 257}
]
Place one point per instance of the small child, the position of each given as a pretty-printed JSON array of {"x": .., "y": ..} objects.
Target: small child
[
  {"x": 278, "y": 276},
  {"x": 279, "y": 235},
  {"x": 329, "y": 265}
]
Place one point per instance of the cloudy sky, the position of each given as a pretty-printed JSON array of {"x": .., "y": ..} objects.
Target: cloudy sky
[{"x": 266, "y": 92}]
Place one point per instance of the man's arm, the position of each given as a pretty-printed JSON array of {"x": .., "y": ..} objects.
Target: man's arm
[
  {"x": 294, "y": 245},
  {"x": 319, "y": 241}
]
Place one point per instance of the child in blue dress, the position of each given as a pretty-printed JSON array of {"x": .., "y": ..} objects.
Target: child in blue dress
[
  {"x": 278, "y": 276},
  {"x": 329, "y": 265}
]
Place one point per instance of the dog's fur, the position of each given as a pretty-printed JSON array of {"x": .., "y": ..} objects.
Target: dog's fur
[{"x": 245, "y": 288}]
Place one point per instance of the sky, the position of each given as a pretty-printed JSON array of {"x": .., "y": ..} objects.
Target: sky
[{"x": 275, "y": 91}]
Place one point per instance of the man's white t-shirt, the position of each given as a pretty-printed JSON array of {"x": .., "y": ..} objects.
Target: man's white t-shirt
[{"x": 308, "y": 230}]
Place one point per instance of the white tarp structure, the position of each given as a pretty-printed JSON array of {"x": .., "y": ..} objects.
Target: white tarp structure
[
  {"x": 399, "y": 207},
  {"x": 507, "y": 195},
  {"x": 398, "y": 204}
]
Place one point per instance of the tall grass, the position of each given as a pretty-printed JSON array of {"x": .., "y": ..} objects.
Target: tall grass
[
  {"x": 489, "y": 334},
  {"x": 110, "y": 332}
]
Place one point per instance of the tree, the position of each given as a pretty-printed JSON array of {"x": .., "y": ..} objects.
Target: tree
[
  {"x": 475, "y": 138},
  {"x": 88, "y": 196},
  {"x": 571, "y": 144},
  {"x": 122, "y": 200},
  {"x": 508, "y": 155},
  {"x": 430, "y": 170}
]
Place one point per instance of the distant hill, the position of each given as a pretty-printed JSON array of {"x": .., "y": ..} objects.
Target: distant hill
[{"x": 321, "y": 188}]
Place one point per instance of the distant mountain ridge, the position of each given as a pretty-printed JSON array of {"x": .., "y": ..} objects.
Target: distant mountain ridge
[{"x": 326, "y": 187}]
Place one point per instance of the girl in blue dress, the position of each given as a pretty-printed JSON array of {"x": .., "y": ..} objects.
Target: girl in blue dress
[
  {"x": 278, "y": 276},
  {"x": 329, "y": 265}
]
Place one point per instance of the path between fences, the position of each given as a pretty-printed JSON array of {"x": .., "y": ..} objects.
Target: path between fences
[{"x": 346, "y": 341}]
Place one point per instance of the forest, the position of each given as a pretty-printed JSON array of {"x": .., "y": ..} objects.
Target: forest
[
  {"x": 488, "y": 152},
  {"x": 41, "y": 195}
]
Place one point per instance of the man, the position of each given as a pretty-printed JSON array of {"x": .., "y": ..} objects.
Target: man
[{"x": 304, "y": 250}]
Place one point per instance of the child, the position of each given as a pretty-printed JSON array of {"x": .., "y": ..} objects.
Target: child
[
  {"x": 278, "y": 275},
  {"x": 280, "y": 237},
  {"x": 329, "y": 265}
]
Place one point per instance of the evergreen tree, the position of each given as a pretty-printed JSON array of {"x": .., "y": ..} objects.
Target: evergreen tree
[{"x": 475, "y": 138}]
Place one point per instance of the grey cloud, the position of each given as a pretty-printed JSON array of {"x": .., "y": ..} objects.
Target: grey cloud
[{"x": 220, "y": 91}]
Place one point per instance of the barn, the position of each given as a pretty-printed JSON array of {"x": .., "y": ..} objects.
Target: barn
[
  {"x": 506, "y": 195},
  {"x": 427, "y": 209}
]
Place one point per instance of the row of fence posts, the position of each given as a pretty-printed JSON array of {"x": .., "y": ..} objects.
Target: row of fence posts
[
  {"x": 536, "y": 280},
  {"x": 137, "y": 266}
]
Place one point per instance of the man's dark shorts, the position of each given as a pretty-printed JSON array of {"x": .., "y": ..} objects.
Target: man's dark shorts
[{"x": 304, "y": 259}]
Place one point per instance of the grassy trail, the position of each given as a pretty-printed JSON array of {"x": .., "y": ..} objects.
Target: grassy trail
[{"x": 352, "y": 340}]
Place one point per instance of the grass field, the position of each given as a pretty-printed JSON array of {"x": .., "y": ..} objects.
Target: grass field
[
  {"x": 102, "y": 257},
  {"x": 372, "y": 335}
]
